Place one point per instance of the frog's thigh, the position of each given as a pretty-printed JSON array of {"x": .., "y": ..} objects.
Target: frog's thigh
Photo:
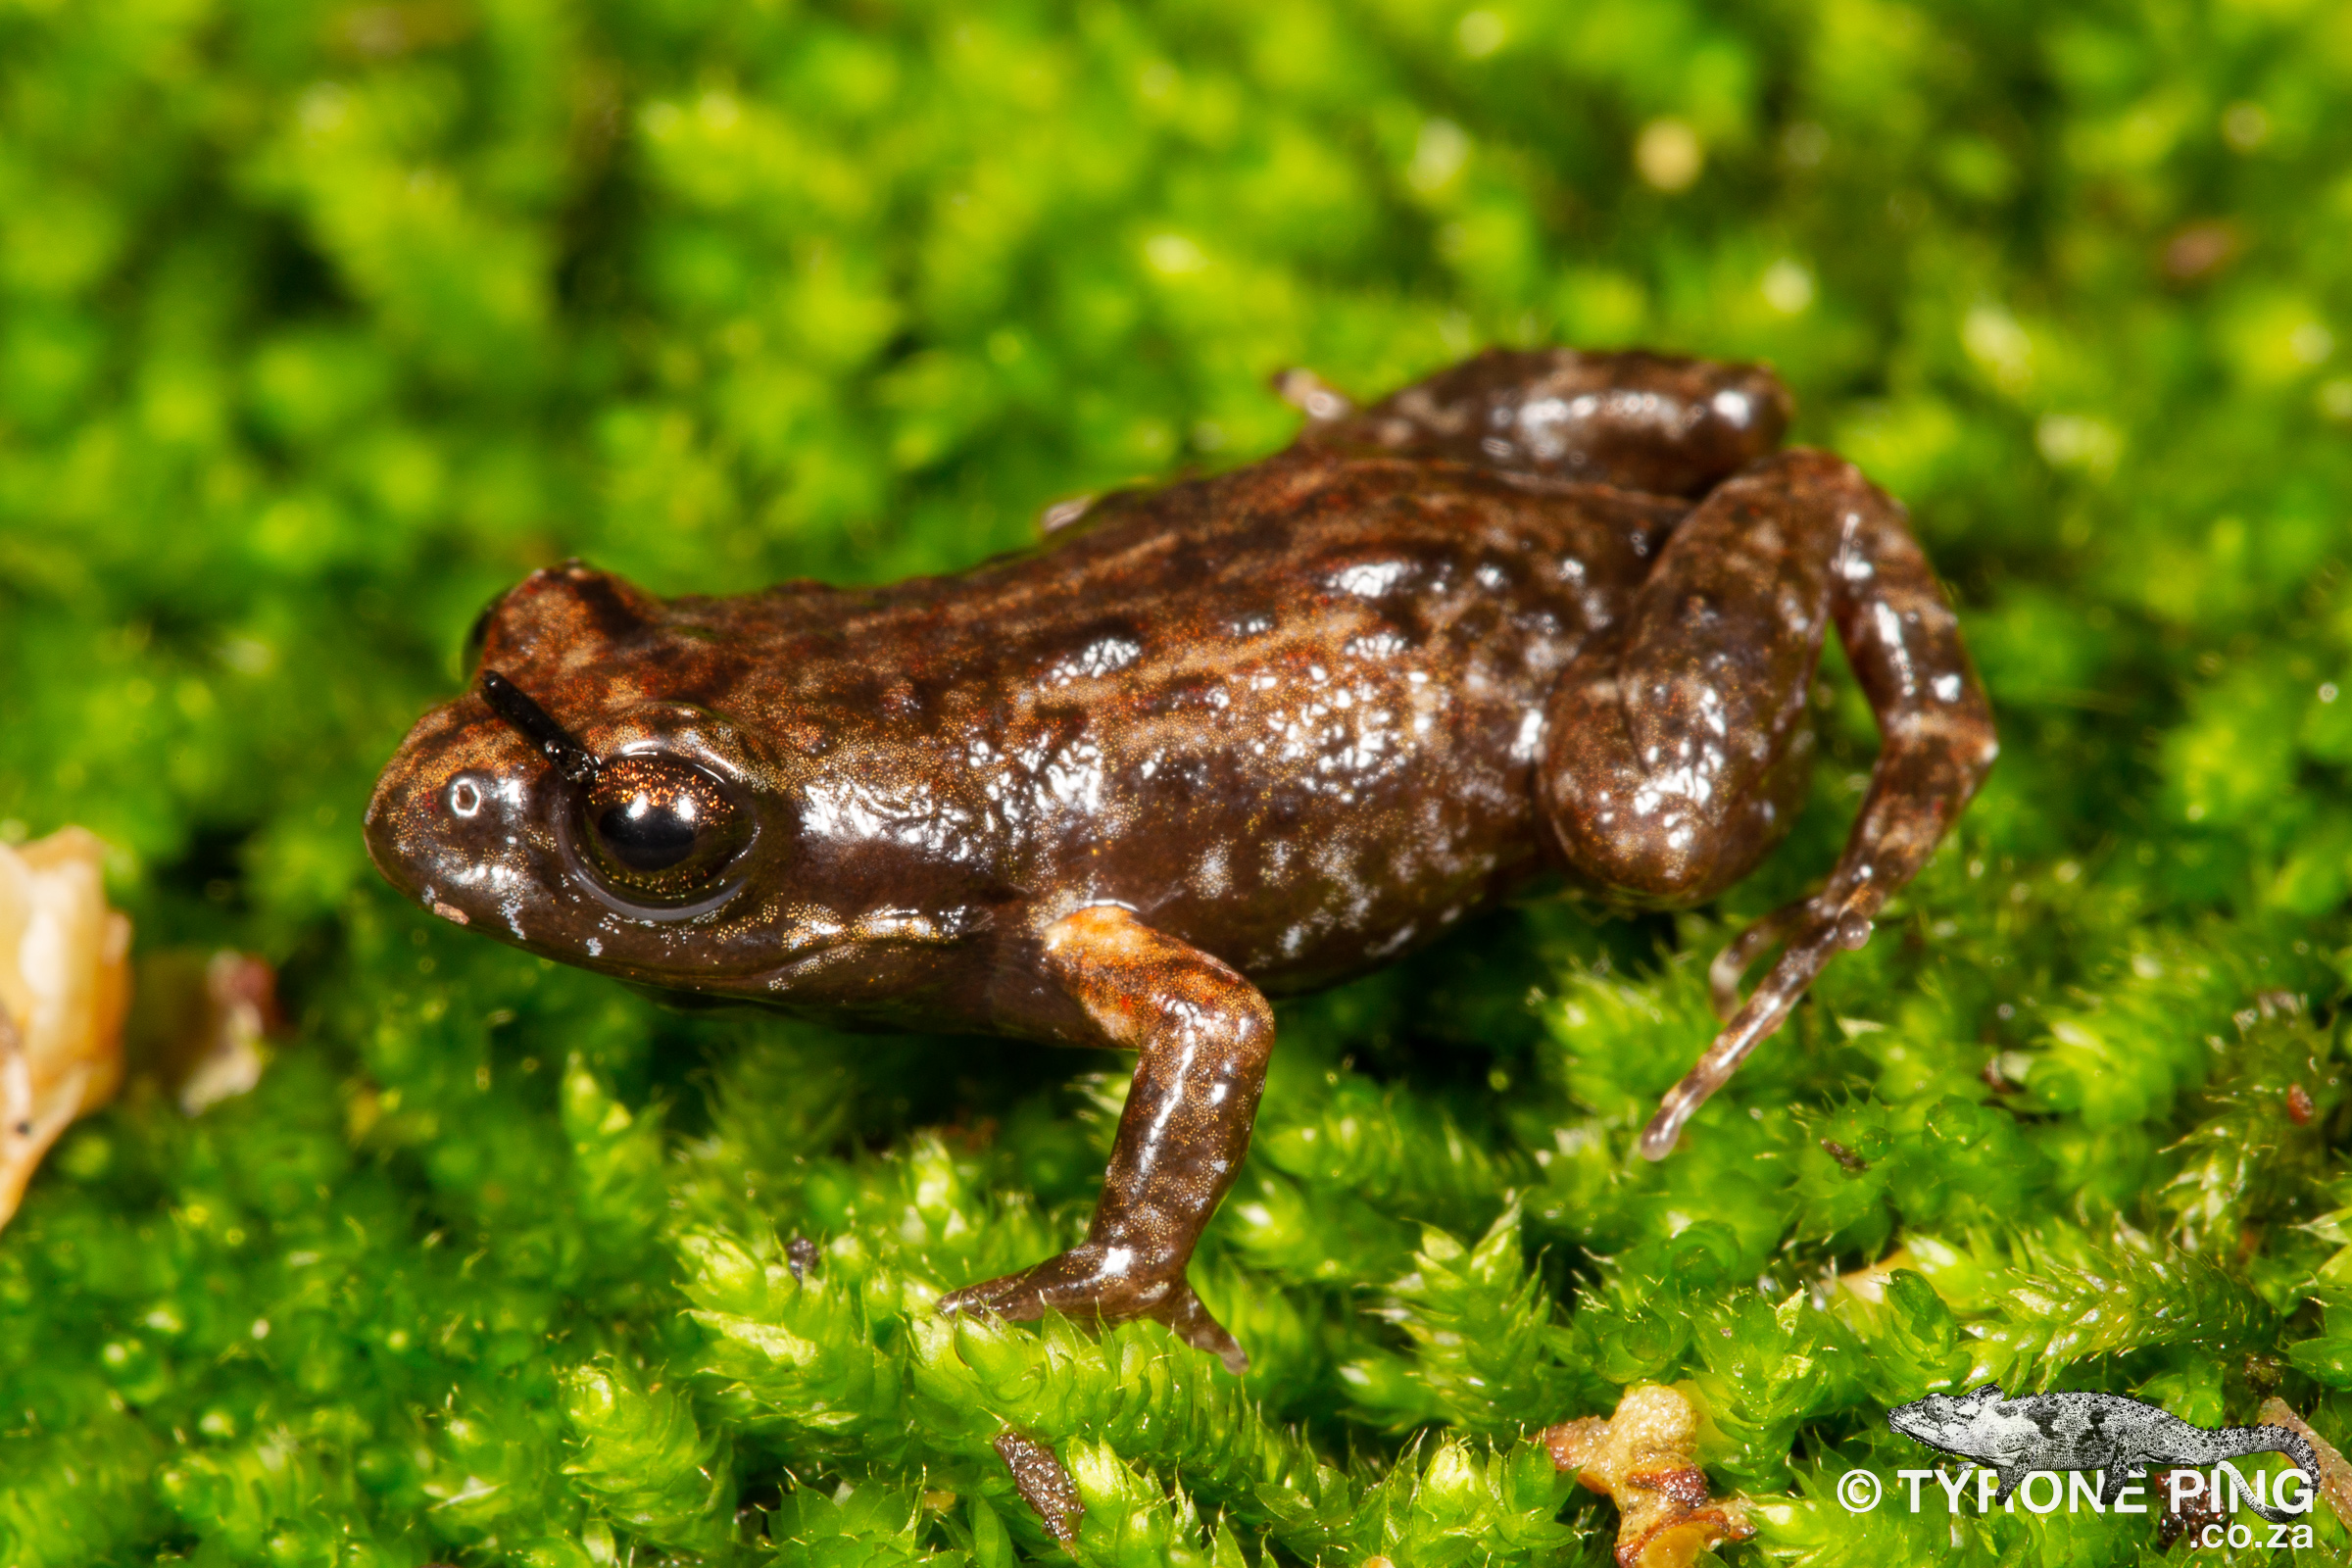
[
  {"x": 1204, "y": 1035},
  {"x": 1675, "y": 754},
  {"x": 1637, "y": 421}
]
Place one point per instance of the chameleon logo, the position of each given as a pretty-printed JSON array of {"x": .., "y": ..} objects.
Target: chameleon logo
[{"x": 2106, "y": 1431}]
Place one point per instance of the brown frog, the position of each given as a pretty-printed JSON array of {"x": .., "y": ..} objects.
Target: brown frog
[{"x": 1546, "y": 611}]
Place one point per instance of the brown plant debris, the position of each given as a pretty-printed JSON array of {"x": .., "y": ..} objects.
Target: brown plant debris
[{"x": 1645, "y": 1458}]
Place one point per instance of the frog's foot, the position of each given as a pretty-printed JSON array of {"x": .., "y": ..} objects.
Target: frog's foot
[
  {"x": 1812, "y": 933},
  {"x": 1094, "y": 1281},
  {"x": 1740, "y": 954}
]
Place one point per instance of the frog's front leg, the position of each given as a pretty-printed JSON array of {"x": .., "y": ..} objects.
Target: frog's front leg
[
  {"x": 1203, "y": 1034},
  {"x": 1675, "y": 752}
]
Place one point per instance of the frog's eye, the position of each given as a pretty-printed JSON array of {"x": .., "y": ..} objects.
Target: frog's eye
[{"x": 658, "y": 831}]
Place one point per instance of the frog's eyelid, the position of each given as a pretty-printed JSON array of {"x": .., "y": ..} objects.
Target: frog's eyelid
[{"x": 509, "y": 702}]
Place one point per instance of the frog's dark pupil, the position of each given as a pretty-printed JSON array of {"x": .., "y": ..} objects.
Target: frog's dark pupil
[{"x": 650, "y": 834}]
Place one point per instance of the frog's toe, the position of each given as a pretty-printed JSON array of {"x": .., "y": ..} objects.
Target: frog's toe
[
  {"x": 1193, "y": 1324},
  {"x": 1007, "y": 1296},
  {"x": 1810, "y": 934},
  {"x": 1739, "y": 955},
  {"x": 1090, "y": 1281},
  {"x": 1086, "y": 1281}
]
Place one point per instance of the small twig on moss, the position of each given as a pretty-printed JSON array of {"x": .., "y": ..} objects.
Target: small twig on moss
[{"x": 1045, "y": 1486}]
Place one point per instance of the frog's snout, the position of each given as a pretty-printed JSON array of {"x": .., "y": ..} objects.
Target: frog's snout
[
  {"x": 425, "y": 840},
  {"x": 451, "y": 833}
]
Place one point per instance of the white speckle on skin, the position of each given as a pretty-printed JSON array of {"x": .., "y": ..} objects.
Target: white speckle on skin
[
  {"x": 905, "y": 925},
  {"x": 1891, "y": 632},
  {"x": 451, "y": 912},
  {"x": 1540, "y": 422},
  {"x": 1530, "y": 738},
  {"x": 1103, "y": 656},
  {"x": 1370, "y": 579}
]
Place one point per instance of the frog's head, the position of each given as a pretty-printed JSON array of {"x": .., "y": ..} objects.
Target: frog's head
[
  {"x": 593, "y": 798},
  {"x": 1954, "y": 1425}
]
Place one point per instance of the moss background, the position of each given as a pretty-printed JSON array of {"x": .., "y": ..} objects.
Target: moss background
[{"x": 320, "y": 324}]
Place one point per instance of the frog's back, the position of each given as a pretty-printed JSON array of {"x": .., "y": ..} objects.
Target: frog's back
[{"x": 1289, "y": 714}]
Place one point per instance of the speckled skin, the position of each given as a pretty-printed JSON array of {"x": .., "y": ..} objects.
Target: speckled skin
[{"x": 1237, "y": 736}]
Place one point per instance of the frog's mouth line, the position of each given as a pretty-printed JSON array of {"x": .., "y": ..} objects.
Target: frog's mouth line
[{"x": 809, "y": 951}]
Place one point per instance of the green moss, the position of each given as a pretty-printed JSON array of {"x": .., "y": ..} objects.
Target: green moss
[{"x": 320, "y": 326}]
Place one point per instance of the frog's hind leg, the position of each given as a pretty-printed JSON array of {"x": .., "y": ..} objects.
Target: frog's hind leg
[
  {"x": 1675, "y": 752},
  {"x": 1640, "y": 422}
]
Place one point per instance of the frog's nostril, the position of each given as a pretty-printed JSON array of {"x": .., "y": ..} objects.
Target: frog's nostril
[{"x": 464, "y": 796}]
